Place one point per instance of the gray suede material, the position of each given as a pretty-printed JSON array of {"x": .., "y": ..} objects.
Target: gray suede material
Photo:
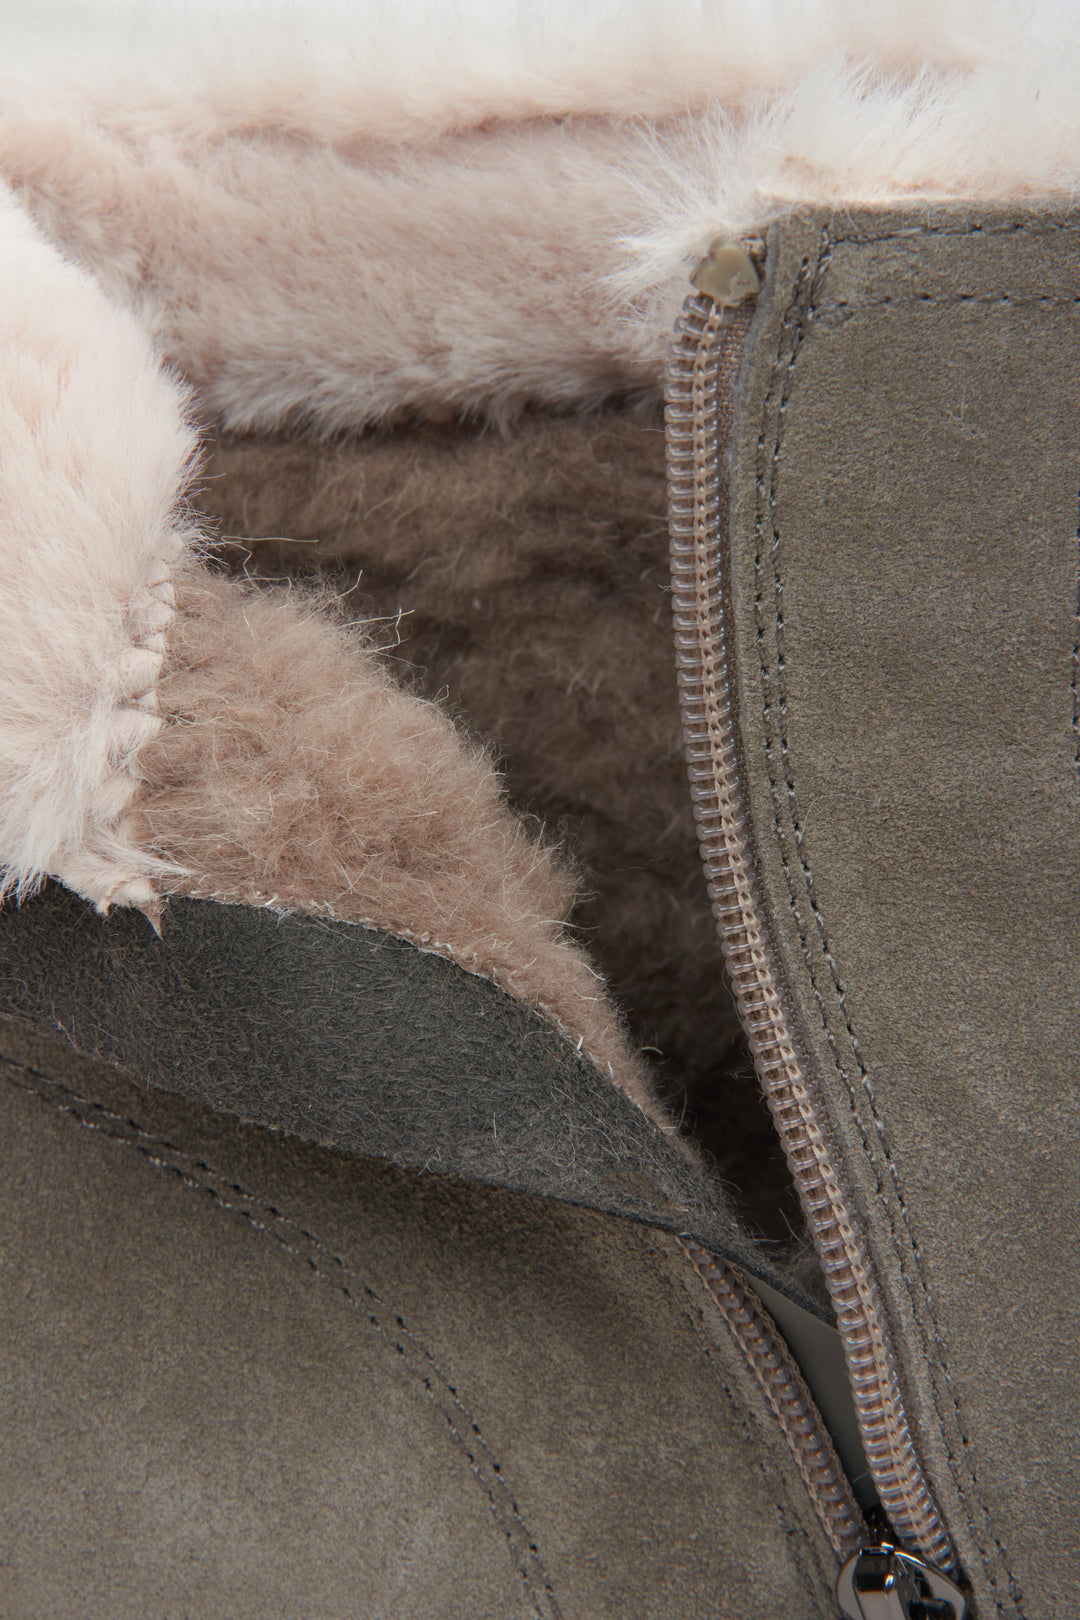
[
  {"x": 903, "y": 580},
  {"x": 359, "y": 1041},
  {"x": 244, "y": 1375}
]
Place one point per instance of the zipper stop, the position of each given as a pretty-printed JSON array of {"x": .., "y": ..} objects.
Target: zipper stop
[{"x": 729, "y": 273}]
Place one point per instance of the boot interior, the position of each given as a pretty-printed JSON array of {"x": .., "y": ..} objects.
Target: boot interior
[{"x": 518, "y": 574}]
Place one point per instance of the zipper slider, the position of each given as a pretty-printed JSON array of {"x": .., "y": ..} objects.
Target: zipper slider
[
  {"x": 728, "y": 274},
  {"x": 884, "y": 1583}
]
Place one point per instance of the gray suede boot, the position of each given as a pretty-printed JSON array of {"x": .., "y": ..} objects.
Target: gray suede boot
[
  {"x": 875, "y": 567},
  {"x": 453, "y": 1166},
  {"x": 400, "y": 1309},
  {"x": 339, "y": 1283}
]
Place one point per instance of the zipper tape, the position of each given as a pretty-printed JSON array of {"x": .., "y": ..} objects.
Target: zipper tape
[{"x": 703, "y": 373}]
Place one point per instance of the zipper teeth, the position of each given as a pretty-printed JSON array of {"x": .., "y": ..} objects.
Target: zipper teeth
[
  {"x": 776, "y": 1372},
  {"x": 702, "y": 377}
]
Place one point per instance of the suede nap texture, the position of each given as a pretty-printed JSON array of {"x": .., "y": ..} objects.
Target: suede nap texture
[
  {"x": 242, "y": 1375},
  {"x": 903, "y": 565},
  {"x": 522, "y": 576},
  {"x": 357, "y": 1041}
]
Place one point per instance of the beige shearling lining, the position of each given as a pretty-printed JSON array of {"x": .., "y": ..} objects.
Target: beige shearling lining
[
  {"x": 510, "y": 225},
  {"x": 291, "y": 772},
  {"x": 521, "y": 576},
  {"x": 372, "y": 230}
]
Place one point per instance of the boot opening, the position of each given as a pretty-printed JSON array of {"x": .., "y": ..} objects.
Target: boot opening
[{"x": 519, "y": 575}]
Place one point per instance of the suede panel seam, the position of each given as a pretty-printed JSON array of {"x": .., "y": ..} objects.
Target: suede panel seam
[
  {"x": 358, "y": 1296},
  {"x": 1074, "y": 683},
  {"x": 963, "y": 300},
  {"x": 794, "y": 327},
  {"x": 1022, "y": 227},
  {"x": 799, "y": 1528}
]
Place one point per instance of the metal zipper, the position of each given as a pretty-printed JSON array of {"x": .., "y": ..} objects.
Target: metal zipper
[
  {"x": 700, "y": 409},
  {"x": 877, "y": 1579},
  {"x": 885, "y": 1583},
  {"x": 775, "y": 1369}
]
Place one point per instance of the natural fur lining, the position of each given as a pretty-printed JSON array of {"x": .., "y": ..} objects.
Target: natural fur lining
[
  {"x": 94, "y": 451},
  {"x": 523, "y": 576},
  {"x": 304, "y": 249},
  {"x": 292, "y": 773},
  {"x": 310, "y": 246}
]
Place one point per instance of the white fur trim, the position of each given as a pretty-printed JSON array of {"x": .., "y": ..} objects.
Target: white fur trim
[
  {"x": 508, "y": 215},
  {"x": 93, "y": 451},
  {"x": 429, "y": 208}
]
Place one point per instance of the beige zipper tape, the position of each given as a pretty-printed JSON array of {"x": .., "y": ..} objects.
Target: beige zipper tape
[{"x": 703, "y": 372}]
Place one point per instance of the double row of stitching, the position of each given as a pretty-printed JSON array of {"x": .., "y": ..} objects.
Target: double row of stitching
[
  {"x": 302, "y": 1245},
  {"x": 795, "y": 325}
]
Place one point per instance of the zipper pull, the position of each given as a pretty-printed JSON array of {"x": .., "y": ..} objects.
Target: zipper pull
[
  {"x": 728, "y": 274},
  {"x": 884, "y": 1583}
]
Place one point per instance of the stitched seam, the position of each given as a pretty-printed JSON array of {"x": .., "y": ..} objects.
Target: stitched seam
[
  {"x": 796, "y": 1534},
  {"x": 1053, "y": 301},
  {"x": 796, "y": 324},
  {"x": 799, "y": 1535},
  {"x": 804, "y": 318},
  {"x": 667, "y": 1204},
  {"x": 136, "y": 719},
  {"x": 1013, "y": 227},
  {"x": 150, "y": 1147},
  {"x": 1074, "y": 683},
  {"x": 951, "y": 300}
]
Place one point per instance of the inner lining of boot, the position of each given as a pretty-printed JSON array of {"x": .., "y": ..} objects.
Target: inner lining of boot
[{"x": 520, "y": 575}]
